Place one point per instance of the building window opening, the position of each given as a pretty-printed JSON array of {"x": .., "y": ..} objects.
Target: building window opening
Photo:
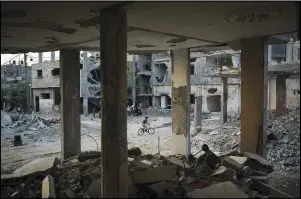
[
  {"x": 160, "y": 71},
  {"x": 39, "y": 73},
  {"x": 55, "y": 72},
  {"x": 45, "y": 95},
  {"x": 192, "y": 98},
  {"x": 192, "y": 69}
]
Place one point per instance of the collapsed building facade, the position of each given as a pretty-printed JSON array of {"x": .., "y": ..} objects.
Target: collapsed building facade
[
  {"x": 46, "y": 84},
  {"x": 155, "y": 71}
]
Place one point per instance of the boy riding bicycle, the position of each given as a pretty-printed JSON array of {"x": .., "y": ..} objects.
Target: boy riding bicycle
[{"x": 145, "y": 123}]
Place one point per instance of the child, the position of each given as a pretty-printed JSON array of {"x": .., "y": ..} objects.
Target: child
[{"x": 145, "y": 122}]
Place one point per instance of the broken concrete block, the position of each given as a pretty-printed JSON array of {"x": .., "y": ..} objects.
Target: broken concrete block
[
  {"x": 240, "y": 160},
  {"x": 245, "y": 184},
  {"x": 88, "y": 156},
  {"x": 231, "y": 163},
  {"x": 5, "y": 119},
  {"x": 225, "y": 173},
  {"x": 94, "y": 190},
  {"x": 70, "y": 194},
  {"x": 178, "y": 162},
  {"x": 154, "y": 174},
  {"x": 257, "y": 162},
  {"x": 163, "y": 189},
  {"x": 263, "y": 179},
  {"x": 220, "y": 190},
  {"x": 48, "y": 188},
  {"x": 38, "y": 165},
  {"x": 246, "y": 171},
  {"x": 147, "y": 162},
  {"x": 136, "y": 151}
]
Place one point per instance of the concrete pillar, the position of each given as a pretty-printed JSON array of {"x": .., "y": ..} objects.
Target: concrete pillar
[
  {"x": 84, "y": 83},
  {"x": 180, "y": 101},
  {"x": 70, "y": 103},
  {"x": 163, "y": 101},
  {"x": 254, "y": 84},
  {"x": 270, "y": 54},
  {"x": 134, "y": 94},
  {"x": 280, "y": 95},
  {"x": 198, "y": 114},
  {"x": 289, "y": 51},
  {"x": 224, "y": 100},
  {"x": 52, "y": 56},
  {"x": 114, "y": 159},
  {"x": 298, "y": 17},
  {"x": 40, "y": 57}
]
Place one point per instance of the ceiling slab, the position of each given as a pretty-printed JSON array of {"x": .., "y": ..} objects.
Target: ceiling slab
[{"x": 153, "y": 26}]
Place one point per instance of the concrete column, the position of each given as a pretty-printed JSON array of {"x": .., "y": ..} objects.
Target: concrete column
[
  {"x": 254, "y": 84},
  {"x": 84, "y": 83},
  {"x": 163, "y": 101},
  {"x": 270, "y": 54},
  {"x": 198, "y": 114},
  {"x": 224, "y": 100},
  {"x": 134, "y": 94},
  {"x": 40, "y": 57},
  {"x": 70, "y": 103},
  {"x": 180, "y": 102},
  {"x": 114, "y": 158},
  {"x": 280, "y": 95},
  {"x": 298, "y": 17},
  {"x": 289, "y": 51},
  {"x": 52, "y": 56}
]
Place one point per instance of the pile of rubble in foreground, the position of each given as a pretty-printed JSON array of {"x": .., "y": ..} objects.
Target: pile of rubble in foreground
[
  {"x": 284, "y": 142},
  {"x": 234, "y": 175}
]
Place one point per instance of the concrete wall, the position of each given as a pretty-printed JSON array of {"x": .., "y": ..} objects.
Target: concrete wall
[
  {"x": 292, "y": 100},
  {"x": 45, "y": 105},
  {"x": 47, "y": 80}
]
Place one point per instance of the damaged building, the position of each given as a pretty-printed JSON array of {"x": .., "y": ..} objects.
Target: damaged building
[
  {"x": 46, "y": 84},
  {"x": 156, "y": 70}
]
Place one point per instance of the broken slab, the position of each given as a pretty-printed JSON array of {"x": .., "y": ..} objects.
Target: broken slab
[
  {"x": 231, "y": 163},
  {"x": 70, "y": 194},
  {"x": 88, "y": 156},
  {"x": 179, "y": 162},
  {"x": 154, "y": 174},
  {"x": 257, "y": 162},
  {"x": 240, "y": 160},
  {"x": 37, "y": 165},
  {"x": 266, "y": 189},
  {"x": 48, "y": 188},
  {"x": 219, "y": 190},
  {"x": 225, "y": 173}
]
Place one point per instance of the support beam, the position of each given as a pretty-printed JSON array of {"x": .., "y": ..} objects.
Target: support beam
[
  {"x": 70, "y": 103},
  {"x": 180, "y": 101},
  {"x": 254, "y": 84},
  {"x": 224, "y": 99},
  {"x": 198, "y": 114},
  {"x": 114, "y": 173},
  {"x": 280, "y": 95}
]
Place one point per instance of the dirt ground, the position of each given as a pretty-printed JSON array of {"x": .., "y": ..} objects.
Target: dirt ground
[{"x": 46, "y": 142}]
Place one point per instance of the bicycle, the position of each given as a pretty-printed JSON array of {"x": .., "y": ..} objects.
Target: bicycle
[{"x": 149, "y": 130}]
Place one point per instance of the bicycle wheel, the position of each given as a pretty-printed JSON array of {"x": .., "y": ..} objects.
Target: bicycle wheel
[
  {"x": 141, "y": 131},
  {"x": 151, "y": 131}
]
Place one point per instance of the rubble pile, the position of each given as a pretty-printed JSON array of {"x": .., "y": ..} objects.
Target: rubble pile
[
  {"x": 284, "y": 142},
  {"x": 158, "y": 111},
  {"x": 234, "y": 175}
]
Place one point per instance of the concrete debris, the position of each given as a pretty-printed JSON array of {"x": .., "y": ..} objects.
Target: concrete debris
[
  {"x": 150, "y": 176},
  {"x": 88, "y": 155},
  {"x": 284, "y": 152},
  {"x": 5, "y": 119},
  {"x": 48, "y": 188}
]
